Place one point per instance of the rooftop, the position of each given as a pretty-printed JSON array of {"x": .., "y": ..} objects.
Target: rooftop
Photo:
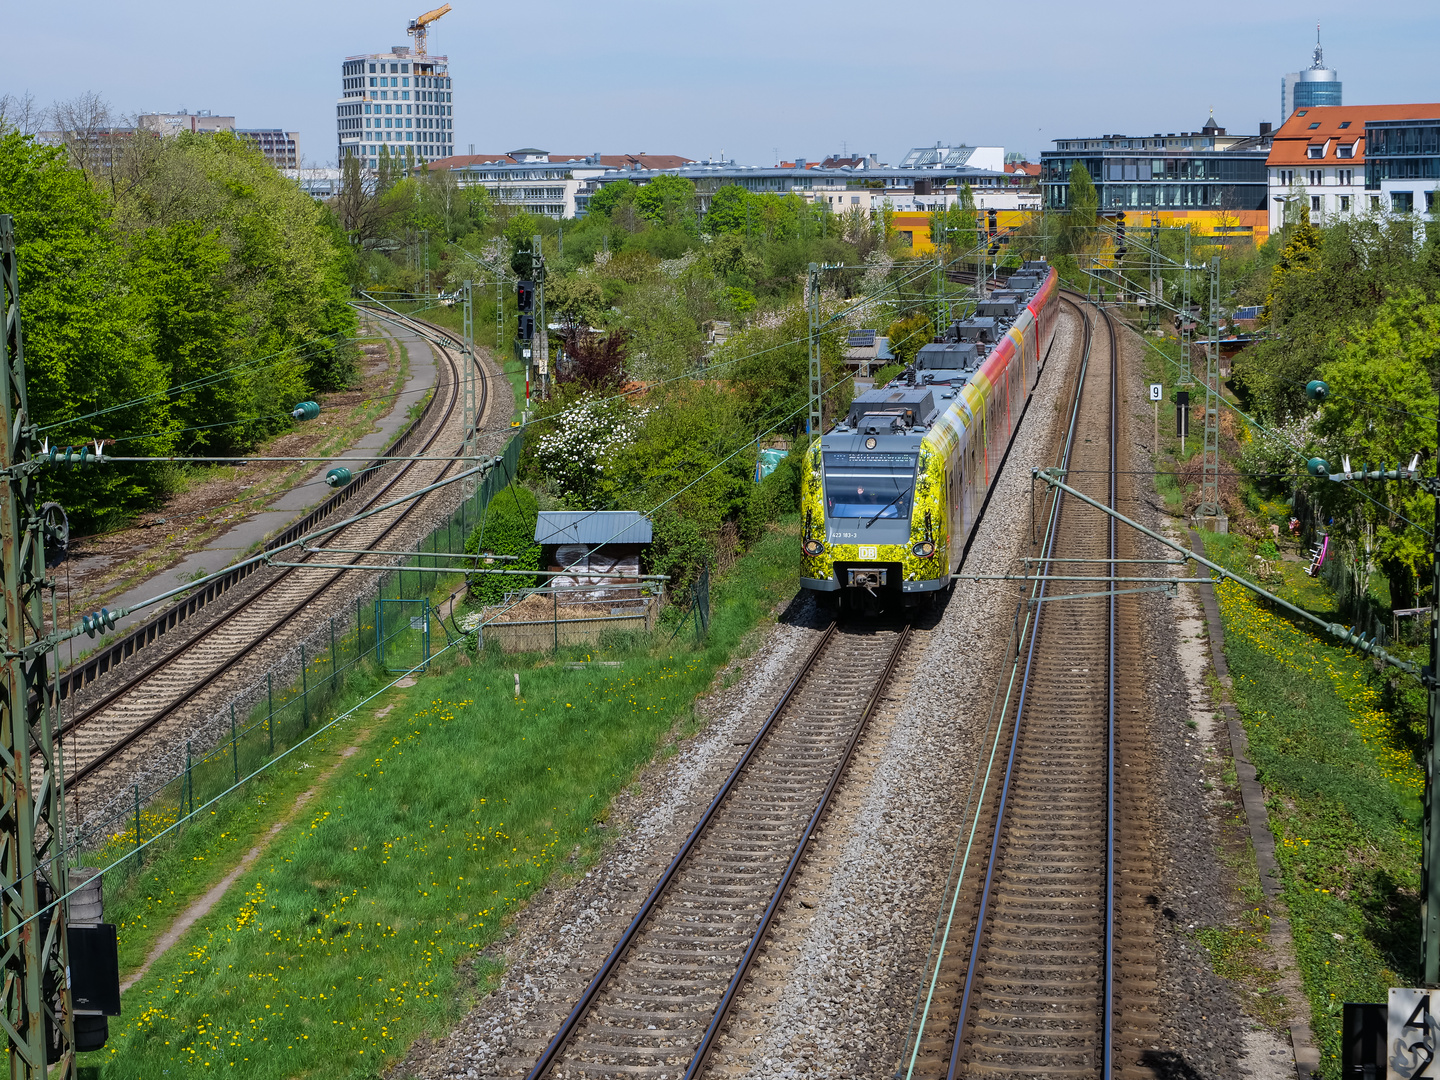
[
  {"x": 1336, "y": 129},
  {"x": 592, "y": 527},
  {"x": 531, "y": 155}
]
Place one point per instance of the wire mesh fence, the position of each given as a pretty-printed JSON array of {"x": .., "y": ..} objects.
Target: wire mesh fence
[{"x": 284, "y": 705}]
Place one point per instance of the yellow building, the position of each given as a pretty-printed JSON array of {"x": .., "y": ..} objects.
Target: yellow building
[{"x": 913, "y": 226}]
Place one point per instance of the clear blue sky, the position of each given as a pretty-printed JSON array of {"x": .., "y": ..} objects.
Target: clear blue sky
[{"x": 748, "y": 78}]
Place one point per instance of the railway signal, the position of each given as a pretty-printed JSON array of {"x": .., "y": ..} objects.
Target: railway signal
[
  {"x": 525, "y": 295},
  {"x": 1120, "y": 236}
]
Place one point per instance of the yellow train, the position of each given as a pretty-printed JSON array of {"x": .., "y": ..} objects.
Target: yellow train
[{"x": 892, "y": 492}]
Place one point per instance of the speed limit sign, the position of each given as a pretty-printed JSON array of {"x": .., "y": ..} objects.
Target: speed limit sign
[{"x": 1157, "y": 392}]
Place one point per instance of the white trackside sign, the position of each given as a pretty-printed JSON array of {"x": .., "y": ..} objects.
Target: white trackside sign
[{"x": 1411, "y": 1034}]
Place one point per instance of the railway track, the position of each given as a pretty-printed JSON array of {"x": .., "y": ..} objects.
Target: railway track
[
  {"x": 110, "y": 733},
  {"x": 659, "y": 999},
  {"x": 1043, "y": 965}
]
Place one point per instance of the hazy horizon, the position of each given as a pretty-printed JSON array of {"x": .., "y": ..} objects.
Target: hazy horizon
[{"x": 760, "y": 84}]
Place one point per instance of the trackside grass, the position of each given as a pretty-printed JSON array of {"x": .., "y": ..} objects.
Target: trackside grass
[
  {"x": 357, "y": 929},
  {"x": 1339, "y": 763}
]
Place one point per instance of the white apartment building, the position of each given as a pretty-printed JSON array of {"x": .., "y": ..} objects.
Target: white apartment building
[
  {"x": 554, "y": 185},
  {"x": 1322, "y": 155},
  {"x": 397, "y": 103}
]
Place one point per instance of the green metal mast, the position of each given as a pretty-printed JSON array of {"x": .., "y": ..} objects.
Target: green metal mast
[
  {"x": 1209, "y": 512},
  {"x": 472, "y": 420},
  {"x": 38, "y": 1019},
  {"x": 540, "y": 349},
  {"x": 1157, "y": 287},
  {"x": 813, "y": 303}
]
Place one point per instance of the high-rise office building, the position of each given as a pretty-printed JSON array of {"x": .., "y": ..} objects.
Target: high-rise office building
[
  {"x": 1317, "y": 85},
  {"x": 393, "y": 102}
]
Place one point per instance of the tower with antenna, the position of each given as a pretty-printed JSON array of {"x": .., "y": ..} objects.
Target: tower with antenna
[{"x": 1316, "y": 85}]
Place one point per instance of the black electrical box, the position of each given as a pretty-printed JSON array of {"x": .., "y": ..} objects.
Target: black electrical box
[
  {"x": 94, "y": 968},
  {"x": 1362, "y": 1051}
]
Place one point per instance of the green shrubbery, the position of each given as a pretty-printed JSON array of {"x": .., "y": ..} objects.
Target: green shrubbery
[
  {"x": 508, "y": 528},
  {"x": 205, "y": 271}
]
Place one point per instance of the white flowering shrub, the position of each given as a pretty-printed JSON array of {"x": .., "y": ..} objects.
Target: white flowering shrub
[{"x": 582, "y": 441}]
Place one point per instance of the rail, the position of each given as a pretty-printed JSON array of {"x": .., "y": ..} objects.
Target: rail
[
  {"x": 114, "y": 747},
  {"x": 990, "y": 793},
  {"x": 90, "y": 668},
  {"x": 700, "y": 832}
]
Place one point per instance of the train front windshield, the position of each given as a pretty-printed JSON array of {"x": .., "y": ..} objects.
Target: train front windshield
[{"x": 869, "y": 485}]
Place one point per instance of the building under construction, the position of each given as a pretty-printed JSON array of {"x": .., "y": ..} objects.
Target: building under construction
[{"x": 398, "y": 103}]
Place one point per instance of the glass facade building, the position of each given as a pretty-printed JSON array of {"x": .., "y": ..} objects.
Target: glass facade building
[
  {"x": 398, "y": 104},
  {"x": 1310, "y": 93},
  {"x": 1401, "y": 150},
  {"x": 1317, "y": 85},
  {"x": 1200, "y": 171}
]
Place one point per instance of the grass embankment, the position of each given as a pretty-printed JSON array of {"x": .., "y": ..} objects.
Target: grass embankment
[
  {"x": 352, "y": 934},
  {"x": 1339, "y": 761}
]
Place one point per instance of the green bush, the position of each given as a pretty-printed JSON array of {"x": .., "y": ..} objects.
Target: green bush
[
  {"x": 777, "y": 494},
  {"x": 680, "y": 548},
  {"x": 508, "y": 528},
  {"x": 888, "y": 372}
]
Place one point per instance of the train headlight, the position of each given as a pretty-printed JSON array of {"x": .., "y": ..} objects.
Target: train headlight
[
  {"x": 924, "y": 549},
  {"x": 813, "y": 548}
]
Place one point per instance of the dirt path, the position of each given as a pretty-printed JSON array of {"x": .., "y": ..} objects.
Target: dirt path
[{"x": 203, "y": 906}]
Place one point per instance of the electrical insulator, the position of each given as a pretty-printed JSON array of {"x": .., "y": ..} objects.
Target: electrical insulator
[
  {"x": 306, "y": 410},
  {"x": 337, "y": 477},
  {"x": 99, "y": 621}
]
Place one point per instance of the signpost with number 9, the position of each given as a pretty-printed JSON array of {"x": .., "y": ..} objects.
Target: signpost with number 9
[{"x": 1157, "y": 391}]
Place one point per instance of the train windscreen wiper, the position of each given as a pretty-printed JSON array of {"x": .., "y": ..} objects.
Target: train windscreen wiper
[{"x": 887, "y": 506}]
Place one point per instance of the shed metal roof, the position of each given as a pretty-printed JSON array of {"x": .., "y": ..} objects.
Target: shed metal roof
[{"x": 592, "y": 527}]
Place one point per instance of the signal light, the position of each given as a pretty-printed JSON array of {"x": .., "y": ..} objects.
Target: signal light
[
  {"x": 994, "y": 216},
  {"x": 526, "y": 328},
  {"x": 525, "y": 295},
  {"x": 1120, "y": 235}
]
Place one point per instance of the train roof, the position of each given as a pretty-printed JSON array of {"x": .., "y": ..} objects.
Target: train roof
[{"x": 891, "y": 409}]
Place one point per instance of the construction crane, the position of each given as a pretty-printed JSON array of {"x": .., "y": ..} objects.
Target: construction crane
[{"x": 418, "y": 28}]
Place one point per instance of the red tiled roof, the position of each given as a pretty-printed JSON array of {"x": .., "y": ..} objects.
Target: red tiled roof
[
  {"x": 1026, "y": 167},
  {"x": 645, "y": 161},
  {"x": 1320, "y": 126}
]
